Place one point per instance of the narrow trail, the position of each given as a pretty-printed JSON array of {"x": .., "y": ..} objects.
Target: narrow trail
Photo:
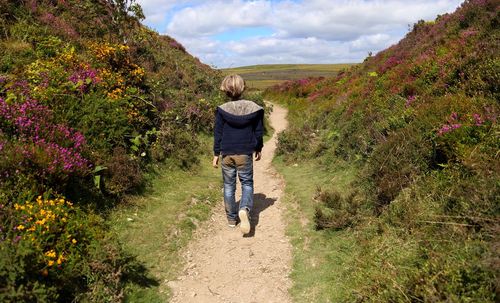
[{"x": 224, "y": 266}]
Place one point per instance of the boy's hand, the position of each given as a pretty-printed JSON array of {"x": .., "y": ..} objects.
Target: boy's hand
[
  {"x": 258, "y": 155},
  {"x": 215, "y": 162}
]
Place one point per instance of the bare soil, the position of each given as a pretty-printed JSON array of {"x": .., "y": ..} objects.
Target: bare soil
[{"x": 222, "y": 265}]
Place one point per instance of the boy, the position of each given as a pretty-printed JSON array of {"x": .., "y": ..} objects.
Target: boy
[{"x": 237, "y": 135}]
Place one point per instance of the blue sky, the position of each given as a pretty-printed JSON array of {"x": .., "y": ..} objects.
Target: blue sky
[{"x": 224, "y": 33}]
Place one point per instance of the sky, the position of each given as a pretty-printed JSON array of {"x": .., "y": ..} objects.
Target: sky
[{"x": 232, "y": 33}]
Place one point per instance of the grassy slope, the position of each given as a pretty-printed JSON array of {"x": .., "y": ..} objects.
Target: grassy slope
[
  {"x": 260, "y": 77},
  {"x": 148, "y": 97},
  {"x": 426, "y": 229}
]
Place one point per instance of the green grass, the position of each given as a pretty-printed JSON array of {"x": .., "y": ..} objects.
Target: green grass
[
  {"x": 259, "y": 77},
  {"x": 155, "y": 226},
  {"x": 322, "y": 260}
]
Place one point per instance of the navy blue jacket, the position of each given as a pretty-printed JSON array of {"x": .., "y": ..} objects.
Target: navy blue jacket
[{"x": 238, "y": 128}]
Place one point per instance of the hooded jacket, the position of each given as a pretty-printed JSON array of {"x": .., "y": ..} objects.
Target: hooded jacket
[{"x": 238, "y": 128}]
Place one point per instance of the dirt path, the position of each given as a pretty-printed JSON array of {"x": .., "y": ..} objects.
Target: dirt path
[{"x": 224, "y": 266}]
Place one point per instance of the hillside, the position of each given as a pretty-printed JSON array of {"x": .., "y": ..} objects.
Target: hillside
[
  {"x": 408, "y": 144},
  {"x": 260, "y": 77},
  {"x": 91, "y": 102}
]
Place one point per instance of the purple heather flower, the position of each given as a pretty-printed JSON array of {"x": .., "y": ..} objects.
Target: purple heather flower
[
  {"x": 410, "y": 100},
  {"x": 16, "y": 239},
  {"x": 303, "y": 81},
  {"x": 478, "y": 121},
  {"x": 35, "y": 132}
]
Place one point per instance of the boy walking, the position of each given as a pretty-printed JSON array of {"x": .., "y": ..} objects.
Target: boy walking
[{"x": 237, "y": 136}]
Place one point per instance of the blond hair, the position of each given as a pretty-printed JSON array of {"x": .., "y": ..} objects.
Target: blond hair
[{"x": 233, "y": 85}]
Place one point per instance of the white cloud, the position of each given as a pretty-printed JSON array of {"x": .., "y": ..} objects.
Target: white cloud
[
  {"x": 313, "y": 31},
  {"x": 217, "y": 16},
  {"x": 156, "y": 10},
  {"x": 367, "y": 42},
  {"x": 274, "y": 50}
]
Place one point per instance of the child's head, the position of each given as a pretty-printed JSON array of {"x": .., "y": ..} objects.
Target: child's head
[{"x": 233, "y": 86}]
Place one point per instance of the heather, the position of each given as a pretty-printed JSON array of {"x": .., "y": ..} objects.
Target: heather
[
  {"x": 416, "y": 126},
  {"x": 91, "y": 103}
]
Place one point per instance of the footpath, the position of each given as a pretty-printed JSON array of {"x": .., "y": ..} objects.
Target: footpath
[{"x": 224, "y": 266}]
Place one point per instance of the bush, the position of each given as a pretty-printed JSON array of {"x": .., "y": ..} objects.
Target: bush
[
  {"x": 396, "y": 164},
  {"x": 176, "y": 143},
  {"x": 52, "y": 251},
  {"x": 335, "y": 211},
  {"x": 33, "y": 144},
  {"x": 123, "y": 173}
]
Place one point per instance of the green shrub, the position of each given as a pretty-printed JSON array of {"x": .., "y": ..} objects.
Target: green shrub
[
  {"x": 396, "y": 164},
  {"x": 177, "y": 143},
  {"x": 292, "y": 143},
  {"x": 123, "y": 173},
  {"x": 336, "y": 211},
  {"x": 52, "y": 251}
]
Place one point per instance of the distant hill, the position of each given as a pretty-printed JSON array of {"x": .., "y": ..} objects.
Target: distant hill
[
  {"x": 260, "y": 77},
  {"x": 418, "y": 122}
]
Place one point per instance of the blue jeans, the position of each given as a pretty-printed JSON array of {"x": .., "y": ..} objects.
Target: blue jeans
[{"x": 243, "y": 166}]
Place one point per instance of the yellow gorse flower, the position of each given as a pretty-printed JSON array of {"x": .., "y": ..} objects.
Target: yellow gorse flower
[
  {"x": 42, "y": 216},
  {"x": 51, "y": 253}
]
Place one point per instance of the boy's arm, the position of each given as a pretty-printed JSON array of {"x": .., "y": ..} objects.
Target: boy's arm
[
  {"x": 217, "y": 138},
  {"x": 259, "y": 132},
  {"x": 217, "y": 133}
]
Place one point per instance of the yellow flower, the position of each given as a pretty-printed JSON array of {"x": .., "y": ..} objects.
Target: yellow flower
[
  {"x": 50, "y": 263},
  {"x": 60, "y": 259},
  {"x": 51, "y": 253},
  {"x": 73, "y": 241},
  {"x": 20, "y": 227}
]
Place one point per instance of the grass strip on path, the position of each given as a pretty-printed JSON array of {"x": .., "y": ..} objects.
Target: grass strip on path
[
  {"x": 322, "y": 260},
  {"x": 155, "y": 226}
]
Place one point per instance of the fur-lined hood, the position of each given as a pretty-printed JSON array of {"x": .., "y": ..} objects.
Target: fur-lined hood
[{"x": 240, "y": 113}]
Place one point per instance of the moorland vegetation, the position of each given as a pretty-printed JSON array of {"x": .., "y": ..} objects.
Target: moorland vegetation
[
  {"x": 416, "y": 125},
  {"x": 91, "y": 101}
]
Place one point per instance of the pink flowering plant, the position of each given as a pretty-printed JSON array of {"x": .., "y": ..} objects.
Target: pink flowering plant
[
  {"x": 84, "y": 77},
  {"x": 32, "y": 142},
  {"x": 452, "y": 124}
]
